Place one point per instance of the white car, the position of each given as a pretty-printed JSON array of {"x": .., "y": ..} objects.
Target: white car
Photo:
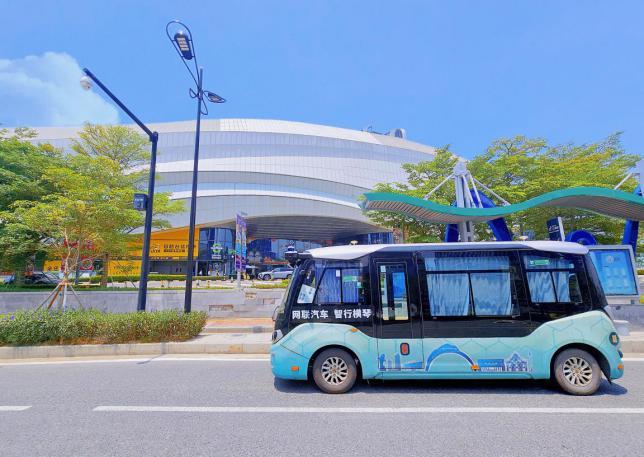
[{"x": 277, "y": 273}]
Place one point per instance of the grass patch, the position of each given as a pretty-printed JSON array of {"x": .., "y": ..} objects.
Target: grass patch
[
  {"x": 269, "y": 286},
  {"x": 30, "y": 328}
]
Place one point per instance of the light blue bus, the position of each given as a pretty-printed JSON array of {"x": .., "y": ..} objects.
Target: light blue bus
[{"x": 500, "y": 310}]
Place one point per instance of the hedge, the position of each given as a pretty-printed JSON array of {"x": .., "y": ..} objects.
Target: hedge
[{"x": 27, "y": 328}]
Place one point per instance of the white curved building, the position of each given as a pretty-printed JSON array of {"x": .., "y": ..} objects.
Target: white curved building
[{"x": 292, "y": 181}]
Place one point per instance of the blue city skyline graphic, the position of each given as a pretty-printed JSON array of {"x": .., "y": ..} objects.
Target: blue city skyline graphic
[{"x": 513, "y": 364}]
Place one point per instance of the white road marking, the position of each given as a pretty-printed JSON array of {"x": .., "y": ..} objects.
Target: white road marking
[
  {"x": 384, "y": 410},
  {"x": 147, "y": 360},
  {"x": 13, "y": 408},
  {"x": 633, "y": 359}
]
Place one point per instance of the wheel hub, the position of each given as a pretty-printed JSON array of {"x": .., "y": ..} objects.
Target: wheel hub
[
  {"x": 577, "y": 371},
  {"x": 335, "y": 370}
]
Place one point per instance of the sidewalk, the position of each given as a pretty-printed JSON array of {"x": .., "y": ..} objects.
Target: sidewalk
[
  {"x": 220, "y": 343},
  {"x": 239, "y": 325}
]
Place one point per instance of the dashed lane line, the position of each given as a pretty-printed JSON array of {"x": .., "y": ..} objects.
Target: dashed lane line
[{"x": 13, "y": 408}]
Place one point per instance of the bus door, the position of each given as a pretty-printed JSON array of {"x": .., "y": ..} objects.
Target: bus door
[{"x": 400, "y": 346}]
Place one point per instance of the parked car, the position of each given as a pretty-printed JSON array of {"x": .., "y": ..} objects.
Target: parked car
[
  {"x": 39, "y": 277},
  {"x": 277, "y": 273}
]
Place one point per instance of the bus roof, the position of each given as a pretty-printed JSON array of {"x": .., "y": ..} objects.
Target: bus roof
[{"x": 357, "y": 251}]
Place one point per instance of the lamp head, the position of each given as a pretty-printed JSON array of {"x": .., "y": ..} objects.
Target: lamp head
[
  {"x": 214, "y": 98},
  {"x": 184, "y": 44}
]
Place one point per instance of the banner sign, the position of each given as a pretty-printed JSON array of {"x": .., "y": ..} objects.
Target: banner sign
[
  {"x": 555, "y": 229},
  {"x": 240, "y": 244},
  {"x": 331, "y": 313}
]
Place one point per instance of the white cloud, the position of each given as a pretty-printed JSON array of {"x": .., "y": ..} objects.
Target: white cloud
[{"x": 45, "y": 91}]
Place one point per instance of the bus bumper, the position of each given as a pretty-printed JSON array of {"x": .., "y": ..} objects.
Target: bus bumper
[
  {"x": 615, "y": 362},
  {"x": 286, "y": 364}
]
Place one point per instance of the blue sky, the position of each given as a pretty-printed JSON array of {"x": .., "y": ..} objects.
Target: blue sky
[{"x": 455, "y": 72}]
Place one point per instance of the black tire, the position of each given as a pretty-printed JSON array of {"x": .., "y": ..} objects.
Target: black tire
[
  {"x": 577, "y": 372},
  {"x": 335, "y": 371},
  {"x": 288, "y": 276}
]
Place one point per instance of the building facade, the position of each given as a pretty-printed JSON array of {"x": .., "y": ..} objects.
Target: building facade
[{"x": 294, "y": 183}]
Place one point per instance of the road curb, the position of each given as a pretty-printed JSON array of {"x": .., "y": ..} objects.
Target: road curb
[
  {"x": 193, "y": 347},
  {"x": 148, "y": 349},
  {"x": 632, "y": 345}
]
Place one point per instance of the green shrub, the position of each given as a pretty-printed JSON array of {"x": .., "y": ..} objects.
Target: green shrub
[
  {"x": 26, "y": 328},
  {"x": 280, "y": 285}
]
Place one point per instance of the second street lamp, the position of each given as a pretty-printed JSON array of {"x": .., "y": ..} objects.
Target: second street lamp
[{"x": 183, "y": 44}]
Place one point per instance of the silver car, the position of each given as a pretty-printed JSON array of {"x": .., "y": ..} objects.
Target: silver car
[{"x": 277, "y": 273}]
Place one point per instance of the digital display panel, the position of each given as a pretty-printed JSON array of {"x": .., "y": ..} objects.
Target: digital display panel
[{"x": 615, "y": 269}]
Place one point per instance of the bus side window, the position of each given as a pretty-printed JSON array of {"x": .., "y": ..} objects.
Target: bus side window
[
  {"x": 471, "y": 284},
  {"x": 341, "y": 284},
  {"x": 556, "y": 279}
]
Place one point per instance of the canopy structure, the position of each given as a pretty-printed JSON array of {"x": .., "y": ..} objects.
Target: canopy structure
[{"x": 599, "y": 200}]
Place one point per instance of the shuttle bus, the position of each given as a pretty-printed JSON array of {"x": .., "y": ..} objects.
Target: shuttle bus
[{"x": 494, "y": 310}]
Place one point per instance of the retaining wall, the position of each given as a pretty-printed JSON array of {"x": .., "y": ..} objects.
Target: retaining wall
[{"x": 217, "y": 303}]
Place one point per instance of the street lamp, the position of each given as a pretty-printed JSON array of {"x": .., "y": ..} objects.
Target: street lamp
[
  {"x": 183, "y": 44},
  {"x": 86, "y": 83}
]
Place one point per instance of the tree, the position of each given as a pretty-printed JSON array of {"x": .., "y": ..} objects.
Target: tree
[
  {"x": 422, "y": 178},
  {"x": 21, "y": 179},
  {"x": 89, "y": 214},
  {"x": 127, "y": 155},
  {"x": 521, "y": 168}
]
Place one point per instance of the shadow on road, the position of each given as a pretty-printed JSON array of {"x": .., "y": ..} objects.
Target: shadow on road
[{"x": 449, "y": 387}]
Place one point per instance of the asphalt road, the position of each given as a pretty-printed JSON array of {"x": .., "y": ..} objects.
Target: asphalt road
[{"x": 213, "y": 407}]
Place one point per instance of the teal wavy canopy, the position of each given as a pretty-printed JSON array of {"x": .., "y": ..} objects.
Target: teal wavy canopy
[{"x": 600, "y": 200}]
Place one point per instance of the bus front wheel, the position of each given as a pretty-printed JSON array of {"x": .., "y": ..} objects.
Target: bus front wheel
[
  {"x": 577, "y": 372},
  {"x": 334, "y": 371}
]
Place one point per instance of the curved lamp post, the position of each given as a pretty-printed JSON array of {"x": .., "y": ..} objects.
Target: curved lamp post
[{"x": 182, "y": 42}]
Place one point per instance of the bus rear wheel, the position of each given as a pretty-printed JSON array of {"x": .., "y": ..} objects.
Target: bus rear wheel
[
  {"x": 577, "y": 372},
  {"x": 334, "y": 371}
]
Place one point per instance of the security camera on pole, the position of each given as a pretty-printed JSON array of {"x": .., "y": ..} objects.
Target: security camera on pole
[{"x": 141, "y": 202}]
